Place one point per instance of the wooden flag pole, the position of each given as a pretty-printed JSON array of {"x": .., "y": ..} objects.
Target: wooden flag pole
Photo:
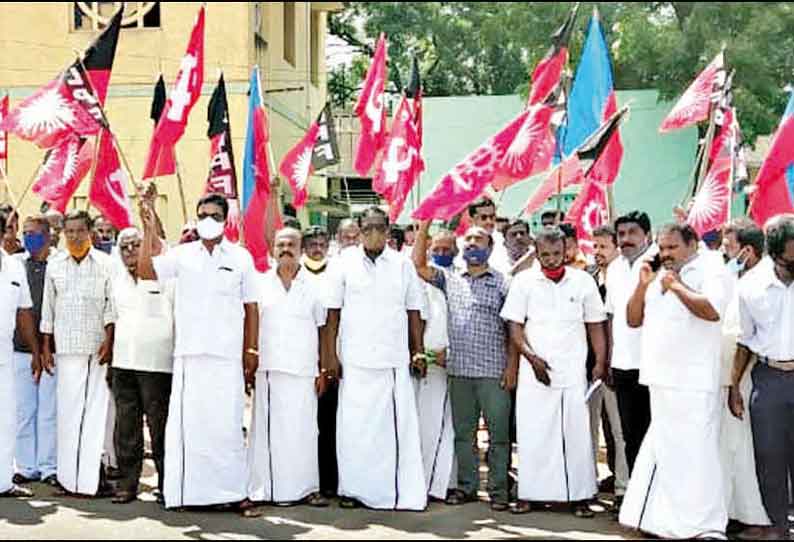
[
  {"x": 30, "y": 183},
  {"x": 9, "y": 190},
  {"x": 181, "y": 187}
]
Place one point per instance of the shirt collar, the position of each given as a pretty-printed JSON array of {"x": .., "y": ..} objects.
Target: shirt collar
[
  {"x": 488, "y": 273},
  {"x": 767, "y": 277},
  {"x": 537, "y": 274},
  {"x": 384, "y": 256}
]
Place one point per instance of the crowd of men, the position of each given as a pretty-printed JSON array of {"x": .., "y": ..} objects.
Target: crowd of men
[{"x": 373, "y": 365}]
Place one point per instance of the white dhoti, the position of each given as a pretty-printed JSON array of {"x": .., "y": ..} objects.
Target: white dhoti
[
  {"x": 282, "y": 455},
  {"x": 676, "y": 487},
  {"x": 555, "y": 450},
  {"x": 604, "y": 399},
  {"x": 8, "y": 420},
  {"x": 205, "y": 459},
  {"x": 436, "y": 432},
  {"x": 82, "y": 398},
  {"x": 742, "y": 495},
  {"x": 377, "y": 440}
]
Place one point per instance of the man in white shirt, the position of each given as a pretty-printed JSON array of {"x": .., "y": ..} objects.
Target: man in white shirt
[
  {"x": 766, "y": 311},
  {"x": 282, "y": 455},
  {"x": 676, "y": 488},
  {"x": 15, "y": 311},
  {"x": 374, "y": 303},
  {"x": 634, "y": 239},
  {"x": 216, "y": 357},
  {"x": 743, "y": 245},
  {"x": 142, "y": 364},
  {"x": 552, "y": 312},
  {"x": 77, "y": 326}
]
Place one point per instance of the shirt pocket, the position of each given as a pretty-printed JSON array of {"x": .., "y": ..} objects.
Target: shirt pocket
[
  {"x": 228, "y": 283},
  {"x": 571, "y": 309}
]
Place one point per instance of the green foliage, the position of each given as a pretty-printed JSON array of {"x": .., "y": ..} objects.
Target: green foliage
[{"x": 490, "y": 47}]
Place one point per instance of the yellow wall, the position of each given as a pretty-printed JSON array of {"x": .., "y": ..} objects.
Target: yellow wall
[{"x": 37, "y": 43}]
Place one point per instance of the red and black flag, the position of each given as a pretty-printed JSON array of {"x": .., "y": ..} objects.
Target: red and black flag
[
  {"x": 98, "y": 57},
  {"x": 547, "y": 76},
  {"x": 222, "y": 178}
]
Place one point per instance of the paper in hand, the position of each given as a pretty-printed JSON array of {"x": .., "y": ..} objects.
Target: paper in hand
[{"x": 592, "y": 389}]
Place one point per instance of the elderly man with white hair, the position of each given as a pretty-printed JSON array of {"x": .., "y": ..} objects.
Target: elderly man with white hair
[{"x": 142, "y": 365}]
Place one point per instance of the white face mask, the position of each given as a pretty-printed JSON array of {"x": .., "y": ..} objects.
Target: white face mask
[{"x": 209, "y": 229}]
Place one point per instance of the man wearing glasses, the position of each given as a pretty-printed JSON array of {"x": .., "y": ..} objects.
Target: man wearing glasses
[{"x": 374, "y": 307}]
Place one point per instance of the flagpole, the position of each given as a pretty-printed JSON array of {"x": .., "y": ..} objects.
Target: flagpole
[
  {"x": 30, "y": 183},
  {"x": 181, "y": 187},
  {"x": 9, "y": 191}
]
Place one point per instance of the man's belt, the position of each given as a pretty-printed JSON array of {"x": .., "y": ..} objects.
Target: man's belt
[{"x": 787, "y": 365}]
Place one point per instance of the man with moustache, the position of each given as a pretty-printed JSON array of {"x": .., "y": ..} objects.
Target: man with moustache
[{"x": 676, "y": 488}]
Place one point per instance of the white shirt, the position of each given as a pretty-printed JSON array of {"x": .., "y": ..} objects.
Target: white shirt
[
  {"x": 554, "y": 317},
  {"x": 731, "y": 328},
  {"x": 14, "y": 295},
  {"x": 210, "y": 292},
  {"x": 622, "y": 280},
  {"x": 766, "y": 312},
  {"x": 144, "y": 336},
  {"x": 680, "y": 350},
  {"x": 288, "y": 323},
  {"x": 374, "y": 299},
  {"x": 436, "y": 336}
]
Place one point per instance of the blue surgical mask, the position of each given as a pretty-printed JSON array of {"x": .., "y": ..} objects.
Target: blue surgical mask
[
  {"x": 735, "y": 266},
  {"x": 34, "y": 242},
  {"x": 443, "y": 260},
  {"x": 105, "y": 246},
  {"x": 476, "y": 256}
]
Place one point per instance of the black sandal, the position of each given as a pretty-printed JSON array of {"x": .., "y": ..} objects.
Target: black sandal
[
  {"x": 582, "y": 511},
  {"x": 521, "y": 508},
  {"x": 349, "y": 504},
  {"x": 457, "y": 497}
]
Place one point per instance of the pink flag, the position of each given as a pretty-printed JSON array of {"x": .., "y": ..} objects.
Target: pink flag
[
  {"x": 108, "y": 189},
  {"x": 469, "y": 178},
  {"x": 63, "y": 169},
  {"x": 3, "y": 135},
  {"x": 588, "y": 212},
  {"x": 184, "y": 95},
  {"x": 695, "y": 105},
  {"x": 547, "y": 74},
  {"x": 297, "y": 166},
  {"x": 371, "y": 111},
  {"x": 532, "y": 150},
  {"x": 564, "y": 175}
]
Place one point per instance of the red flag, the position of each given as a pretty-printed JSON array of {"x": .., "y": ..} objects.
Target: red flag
[
  {"x": 3, "y": 135},
  {"x": 567, "y": 173},
  {"x": 187, "y": 89},
  {"x": 532, "y": 150},
  {"x": 548, "y": 73},
  {"x": 774, "y": 185},
  {"x": 402, "y": 162},
  {"x": 588, "y": 212},
  {"x": 108, "y": 189},
  {"x": 222, "y": 176},
  {"x": 695, "y": 105},
  {"x": 470, "y": 177},
  {"x": 62, "y": 171},
  {"x": 371, "y": 111},
  {"x": 607, "y": 167},
  {"x": 297, "y": 165}
]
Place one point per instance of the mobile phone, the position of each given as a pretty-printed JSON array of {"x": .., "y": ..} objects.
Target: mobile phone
[{"x": 656, "y": 263}]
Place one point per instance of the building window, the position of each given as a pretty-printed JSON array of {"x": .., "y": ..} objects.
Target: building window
[
  {"x": 96, "y": 15},
  {"x": 289, "y": 32},
  {"x": 315, "y": 51}
]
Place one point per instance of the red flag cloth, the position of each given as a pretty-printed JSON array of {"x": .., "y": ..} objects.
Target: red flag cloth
[
  {"x": 710, "y": 208},
  {"x": 695, "y": 105},
  {"x": 547, "y": 74},
  {"x": 567, "y": 173},
  {"x": 99, "y": 56},
  {"x": 607, "y": 166},
  {"x": 52, "y": 115},
  {"x": 256, "y": 211},
  {"x": 588, "y": 212},
  {"x": 402, "y": 162},
  {"x": 774, "y": 192},
  {"x": 470, "y": 177},
  {"x": 184, "y": 95},
  {"x": 109, "y": 187},
  {"x": 371, "y": 111},
  {"x": 4, "y": 135},
  {"x": 63, "y": 169},
  {"x": 296, "y": 166},
  {"x": 532, "y": 150}
]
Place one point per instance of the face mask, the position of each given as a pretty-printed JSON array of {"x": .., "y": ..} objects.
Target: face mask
[
  {"x": 34, "y": 242},
  {"x": 78, "y": 249},
  {"x": 314, "y": 265},
  {"x": 735, "y": 266},
  {"x": 555, "y": 275},
  {"x": 105, "y": 246},
  {"x": 476, "y": 256},
  {"x": 209, "y": 229},
  {"x": 443, "y": 260}
]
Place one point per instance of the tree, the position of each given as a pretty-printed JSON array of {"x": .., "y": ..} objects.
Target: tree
[{"x": 490, "y": 47}]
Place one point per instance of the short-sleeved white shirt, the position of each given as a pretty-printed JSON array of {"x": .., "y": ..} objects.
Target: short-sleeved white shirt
[
  {"x": 289, "y": 322},
  {"x": 436, "y": 320},
  {"x": 374, "y": 298},
  {"x": 766, "y": 313},
  {"x": 554, "y": 317},
  {"x": 210, "y": 292},
  {"x": 680, "y": 350},
  {"x": 14, "y": 295}
]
